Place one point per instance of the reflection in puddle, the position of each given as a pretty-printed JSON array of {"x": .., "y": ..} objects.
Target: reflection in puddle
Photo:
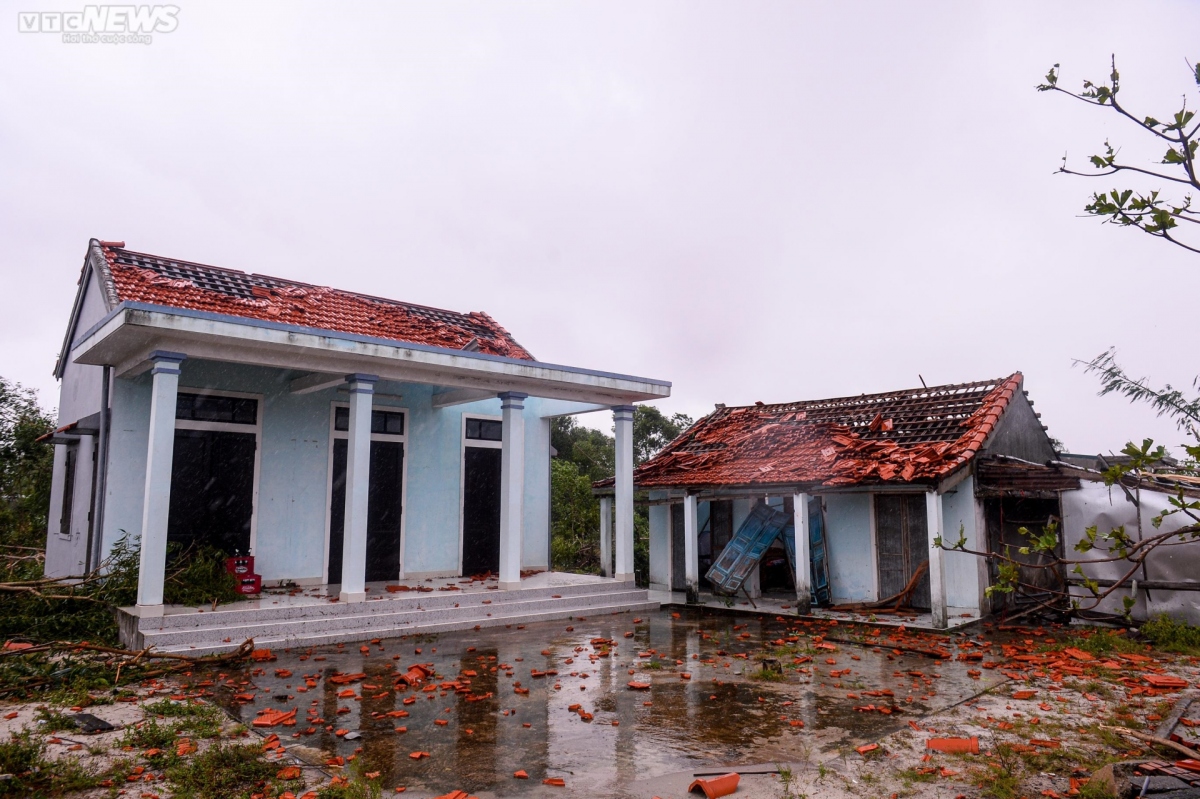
[{"x": 484, "y": 715}]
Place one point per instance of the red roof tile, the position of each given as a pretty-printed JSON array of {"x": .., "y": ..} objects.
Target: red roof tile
[
  {"x": 138, "y": 277},
  {"x": 918, "y": 435}
]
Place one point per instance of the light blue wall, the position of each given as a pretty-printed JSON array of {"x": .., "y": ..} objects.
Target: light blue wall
[
  {"x": 291, "y": 514},
  {"x": 660, "y": 543},
  {"x": 964, "y": 573},
  {"x": 849, "y": 545}
]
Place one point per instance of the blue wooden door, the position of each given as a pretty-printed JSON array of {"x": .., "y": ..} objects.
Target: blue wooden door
[
  {"x": 818, "y": 562},
  {"x": 742, "y": 554}
]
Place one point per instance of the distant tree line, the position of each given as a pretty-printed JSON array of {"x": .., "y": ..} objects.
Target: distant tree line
[
  {"x": 584, "y": 455},
  {"x": 25, "y": 467}
]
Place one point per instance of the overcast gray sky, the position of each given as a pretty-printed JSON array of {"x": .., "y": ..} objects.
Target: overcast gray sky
[{"x": 756, "y": 201}]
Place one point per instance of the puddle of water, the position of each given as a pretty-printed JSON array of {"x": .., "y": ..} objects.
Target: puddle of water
[{"x": 719, "y": 716}]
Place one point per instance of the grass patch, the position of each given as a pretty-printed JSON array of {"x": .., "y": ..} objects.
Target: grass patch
[
  {"x": 1105, "y": 642},
  {"x": 767, "y": 675},
  {"x": 910, "y": 776},
  {"x": 1170, "y": 635},
  {"x": 356, "y": 787},
  {"x": 197, "y": 719},
  {"x": 33, "y": 776},
  {"x": 149, "y": 734},
  {"x": 227, "y": 771},
  {"x": 53, "y": 721}
]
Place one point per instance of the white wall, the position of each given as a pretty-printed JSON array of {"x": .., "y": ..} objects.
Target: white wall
[
  {"x": 849, "y": 544},
  {"x": 966, "y": 575},
  {"x": 660, "y": 544},
  {"x": 292, "y": 497}
]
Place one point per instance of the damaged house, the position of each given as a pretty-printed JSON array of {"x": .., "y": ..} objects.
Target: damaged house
[
  {"x": 342, "y": 440},
  {"x": 857, "y": 489}
]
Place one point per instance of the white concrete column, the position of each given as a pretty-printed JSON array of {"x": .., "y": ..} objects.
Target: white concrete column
[
  {"x": 512, "y": 487},
  {"x": 358, "y": 484},
  {"x": 623, "y": 421},
  {"x": 606, "y": 564},
  {"x": 156, "y": 501},
  {"x": 937, "y": 572},
  {"x": 803, "y": 575},
  {"x": 691, "y": 549}
]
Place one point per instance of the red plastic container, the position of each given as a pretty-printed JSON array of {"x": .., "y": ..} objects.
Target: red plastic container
[
  {"x": 250, "y": 585},
  {"x": 241, "y": 566}
]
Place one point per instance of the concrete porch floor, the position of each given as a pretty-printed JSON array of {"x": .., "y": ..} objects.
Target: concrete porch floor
[
  {"x": 314, "y": 615},
  {"x": 782, "y": 605},
  {"x": 377, "y": 591}
]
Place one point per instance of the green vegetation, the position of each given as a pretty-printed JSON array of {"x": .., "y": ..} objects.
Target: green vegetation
[
  {"x": 767, "y": 675},
  {"x": 25, "y": 466},
  {"x": 36, "y": 609},
  {"x": 1170, "y": 635},
  {"x": 35, "y": 777},
  {"x": 84, "y": 611},
  {"x": 358, "y": 786},
  {"x": 585, "y": 455},
  {"x": 1105, "y": 642},
  {"x": 226, "y": 771}
]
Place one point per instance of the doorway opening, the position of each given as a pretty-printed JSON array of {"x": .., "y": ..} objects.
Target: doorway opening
[
  {"x": 902, "y": 541},
  {"x": 482, "y": 442},
  {"x": 214, "y": 472},
  {"x": 385, "y": 495}
]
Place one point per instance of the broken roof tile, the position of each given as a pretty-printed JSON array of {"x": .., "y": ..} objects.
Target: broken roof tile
[
  {"x": 151, "y": 279},
  {"x": 916, "y": 435}
]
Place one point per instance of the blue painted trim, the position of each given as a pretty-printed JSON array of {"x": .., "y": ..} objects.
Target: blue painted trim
[
  {"x": 164, "y": 355},
  {"x": 618, "y": 409},
  {"x": 165, "y": 370},
  {"x": 505, "y": 396},
  {"x": 359, "y": 377},
  {"x": 362, "y": 391},
  {"x": 388, "y": 342}
]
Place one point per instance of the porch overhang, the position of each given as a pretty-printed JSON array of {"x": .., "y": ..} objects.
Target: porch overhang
[{"x": 125, "y": 338}]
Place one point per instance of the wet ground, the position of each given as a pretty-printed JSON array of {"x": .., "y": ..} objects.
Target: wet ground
[{"x": 487, "y": 713}]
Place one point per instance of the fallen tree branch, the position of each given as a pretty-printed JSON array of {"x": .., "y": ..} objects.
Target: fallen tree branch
[
  {"x": 897, "y": 601},
  {"x": 1153, "y": 739}
]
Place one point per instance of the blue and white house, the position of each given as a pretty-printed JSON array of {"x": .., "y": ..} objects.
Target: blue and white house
[{"x": 343, "y": 440}]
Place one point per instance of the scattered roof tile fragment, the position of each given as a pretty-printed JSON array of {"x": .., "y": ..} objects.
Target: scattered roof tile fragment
[
  {"x": 916, "y": 435},
  {"x": 139, "y": 277}
]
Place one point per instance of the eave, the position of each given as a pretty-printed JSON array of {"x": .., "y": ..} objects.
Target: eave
[{"x": 130, "y": 332}]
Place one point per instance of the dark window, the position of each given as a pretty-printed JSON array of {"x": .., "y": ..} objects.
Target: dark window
[
  {"x": 389, "y": 422},
  {"x": 64, "y": 522},
  {"x": 211, "y": 408},
  {"x": 485, "y": 430}
]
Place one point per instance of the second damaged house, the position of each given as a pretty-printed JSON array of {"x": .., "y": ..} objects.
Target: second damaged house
[{"x": 858, "y": 487}]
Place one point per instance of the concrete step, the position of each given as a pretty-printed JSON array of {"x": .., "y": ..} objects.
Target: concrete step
[
  {"x": 243, "y": 613},
  {"x": 388, "y": 615},
  {"x": 299, "y": 638}
]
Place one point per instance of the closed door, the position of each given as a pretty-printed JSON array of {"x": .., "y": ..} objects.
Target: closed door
[
  {"x": 212, "y": 490},
  {"x": 902, "y": 541},
  {"x": 384, "y": 510},
  {"x": 678, "y": 556},
  {"x": 481, "y": 510}
]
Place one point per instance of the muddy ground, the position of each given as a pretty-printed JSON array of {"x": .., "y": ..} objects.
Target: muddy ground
[{"x": 816, "y": 708}]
